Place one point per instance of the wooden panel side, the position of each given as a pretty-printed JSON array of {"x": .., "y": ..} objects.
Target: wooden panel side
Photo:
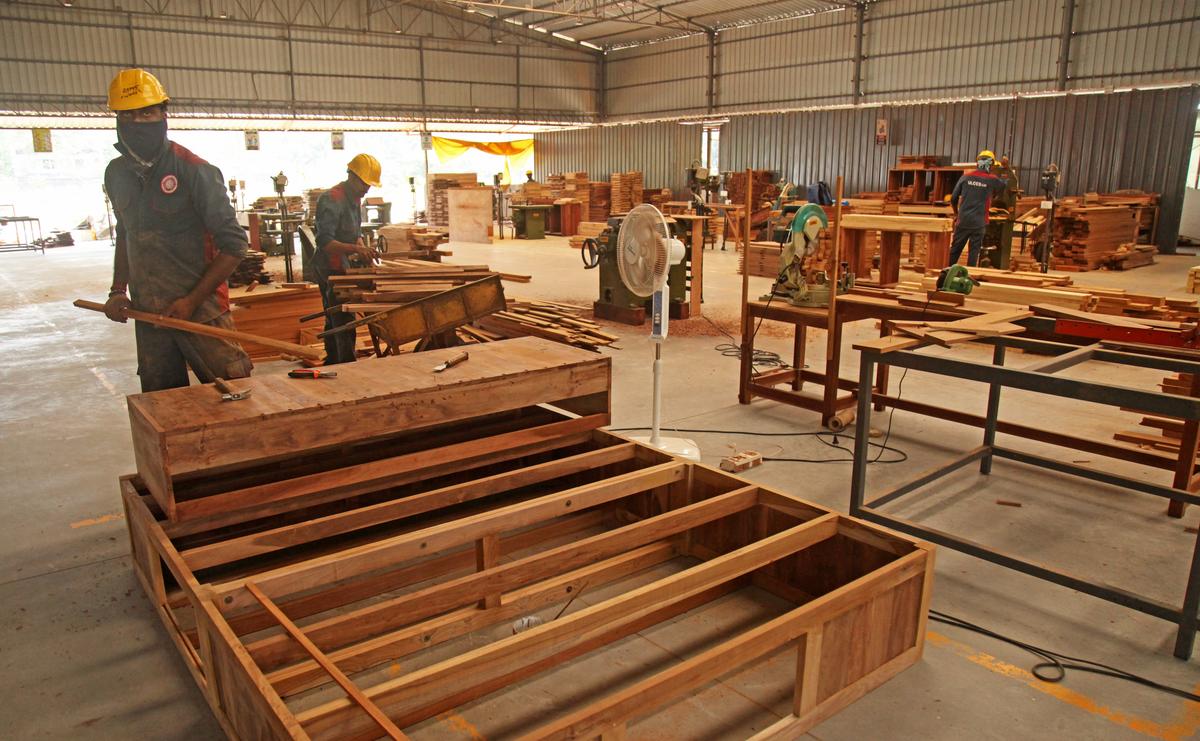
[
  {"x": 239, "y": 690},
  {"x": 865, "y": 638},
  {"x": 150, "y": 457}
]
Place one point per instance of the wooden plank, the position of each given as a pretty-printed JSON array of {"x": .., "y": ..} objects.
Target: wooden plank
[
  {"x": 306, "y": 531},
  {"x": 376, "y": 715},
  {"x": 358, "y": 624},
  {"x": 879, "y": 222},
  {"x": 546, "y": 641},
  {"x": 324, "y": 569}
]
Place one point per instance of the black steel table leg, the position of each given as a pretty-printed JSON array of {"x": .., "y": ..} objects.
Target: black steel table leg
[
  {"x": 993, "y": 411},
  {"x": 862, "y": 433}
]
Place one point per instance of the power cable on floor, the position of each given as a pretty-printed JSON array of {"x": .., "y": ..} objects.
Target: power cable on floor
[{"x": 1053, "y": 668}]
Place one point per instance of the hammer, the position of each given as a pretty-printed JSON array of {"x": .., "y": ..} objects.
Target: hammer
[{"x": 229, "y": 393}]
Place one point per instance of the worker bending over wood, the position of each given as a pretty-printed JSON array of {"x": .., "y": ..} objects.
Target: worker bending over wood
[
  {"x": 339, "y": 240},
  {"x": 971, "y": 200},
  {"x": 178, "y": 241}
]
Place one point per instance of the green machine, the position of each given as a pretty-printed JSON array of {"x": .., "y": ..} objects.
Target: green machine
[
  {"x": 799, "y": 286},
  {"x": 616, "y": 302},
  {"x": 529, "y": 220}
]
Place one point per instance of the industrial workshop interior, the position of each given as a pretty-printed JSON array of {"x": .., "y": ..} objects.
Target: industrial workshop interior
[{"x": 643, "y": 370}]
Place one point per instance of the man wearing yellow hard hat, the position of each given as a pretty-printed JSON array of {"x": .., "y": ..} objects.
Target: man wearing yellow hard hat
[
  {"x": 971, "y": 199},
  {"x": 339, "y": 241},
  {"x": 178, "y": 241}
]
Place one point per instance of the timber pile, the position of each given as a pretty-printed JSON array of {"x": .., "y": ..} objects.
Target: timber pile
[
  {"x": 626, "y": 191},
  {"x": 572, "y": 185},
  {"x": 657, "y": 197},
  {"x": 599, "y": 201},
  {"x": 1131, "y": 255},
  {"x": 764, "y": 187},
  {"x": 295, "y": 204},
  {"x": 1193, "y": 280},
  {"x": 762, "y": 258},
  {"x": 412, "y": 238},
  {"x": 587, "y": 229},
  {"x": 438, "y": 213},
  {"x": 1086, "y": 236},
  {"x": 311, "y": 196},
  {"x": 1143, "y": 205},
  {"x": 918, "y": 161},
  {"x": 553, "y": 321},
  {"x": 915, "y": 333},
  {"x": 275, "y": 313},
  {"x": 252, "y": 269}
]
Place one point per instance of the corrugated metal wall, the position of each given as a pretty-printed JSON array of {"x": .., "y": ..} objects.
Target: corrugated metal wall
[
  {"x": 912, "y": 50},
  {"x": 1137, "y": 139},
  {"x": 662, "y": 151},
  {"x": 59, "y": 60}
]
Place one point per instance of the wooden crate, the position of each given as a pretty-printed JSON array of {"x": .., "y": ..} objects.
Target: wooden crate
[
  {"x": 192, "y": 449},
  {"x": 430, "y": 573}
]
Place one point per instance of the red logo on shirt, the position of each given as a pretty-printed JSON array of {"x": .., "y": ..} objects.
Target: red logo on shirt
[{"x": 169, "y": 184}]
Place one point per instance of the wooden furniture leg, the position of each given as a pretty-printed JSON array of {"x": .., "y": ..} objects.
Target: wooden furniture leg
[
  {"x": 937, "y": 251},
  {"x": 798, "y": 348},
  {"x": 1185, "y": 467},
  {"x": 881, "y": 373},
  {"x": 889, "y": 258},
  {"x": 697, "y": 289},
  {"x": 747, "y": 367},
  {"x": 833, "y": 365},
  {"x": 852, "y": 252}
]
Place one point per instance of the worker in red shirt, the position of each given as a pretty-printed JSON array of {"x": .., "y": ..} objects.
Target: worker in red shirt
[
  {"x": 971, "y": 200},
  {"x": 178, "y": 241}
]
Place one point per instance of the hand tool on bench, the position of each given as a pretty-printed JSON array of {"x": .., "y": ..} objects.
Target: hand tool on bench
[
  {"x": 311, "y": 373},
  {"x": 288, "y": 348},
  {"x": 229, "y": 393},
  {"x": 461, "y": 357}
]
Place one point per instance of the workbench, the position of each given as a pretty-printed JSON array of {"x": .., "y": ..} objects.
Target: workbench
[
  {"x": 837, "y": 409},
  {"x": 891, "y": 229}
]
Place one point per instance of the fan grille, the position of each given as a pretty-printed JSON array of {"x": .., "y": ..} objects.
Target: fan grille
[{"x": 643, "y": 250}]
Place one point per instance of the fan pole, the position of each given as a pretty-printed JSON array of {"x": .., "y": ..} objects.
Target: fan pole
[{"x": 656, "y": 411}]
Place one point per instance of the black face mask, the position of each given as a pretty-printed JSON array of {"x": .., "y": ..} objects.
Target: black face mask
[{"x": 144, "y": 139}]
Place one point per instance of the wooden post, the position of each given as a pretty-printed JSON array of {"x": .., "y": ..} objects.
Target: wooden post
[
  {"x": 834, "y": 264},
  {"x": 747, "y": 330},
  {"x": 487, "y": 556}
]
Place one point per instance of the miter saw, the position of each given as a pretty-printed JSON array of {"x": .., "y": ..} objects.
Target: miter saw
[{"x": 799, "y": 286}]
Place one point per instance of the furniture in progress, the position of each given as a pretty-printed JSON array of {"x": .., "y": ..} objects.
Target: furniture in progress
[
  {"x": 361, "y": 594},
  {"x": 891, "y": 229}
]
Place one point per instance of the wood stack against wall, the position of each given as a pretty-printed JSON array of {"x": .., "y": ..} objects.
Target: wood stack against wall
[
  {"x": 626, "y": 191},
  {"x": 439, "y": 206},
  {"x": 599, "y": 201},
  {"x": 1086, "y": 236}
]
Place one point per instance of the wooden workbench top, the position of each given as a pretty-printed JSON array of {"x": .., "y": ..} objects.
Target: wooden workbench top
[{"x": 196, "y": 407}]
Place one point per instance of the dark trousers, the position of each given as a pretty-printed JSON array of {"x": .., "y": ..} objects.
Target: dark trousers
[
  {"x": 164, "y": 356},
  {"x": 339, "y": 348},
  {"x": 962, "y": 235}
]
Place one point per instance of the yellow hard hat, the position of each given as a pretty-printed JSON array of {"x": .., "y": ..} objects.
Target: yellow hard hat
[
  {"x": 367, "y": 168},
  {"x": 132, "y": 89},
  {"x": 986, "y": 153}
]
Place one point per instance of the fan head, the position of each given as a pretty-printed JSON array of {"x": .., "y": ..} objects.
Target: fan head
[{"x": 643, "y": 250}]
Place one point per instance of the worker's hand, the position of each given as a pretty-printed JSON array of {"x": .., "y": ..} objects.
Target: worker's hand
[
  {"x": 116, "y": 306},
  {"x": 367, "y": 253},
  {"x": 182, "y": 308}
]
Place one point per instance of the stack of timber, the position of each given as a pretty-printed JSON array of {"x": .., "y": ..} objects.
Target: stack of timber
[
  {"x": 552, "y": 321},
  {"x": 275, "y": 313},
  {"x": 1193, "y": 280},
  {"x": 599, "y": 201},
  {"x": 1086, "y": 236},
  {"x": 657, "y": 197},
  {"x": 626, "y": 191},
  {"x": 1131, "y": 255},
  {"x": 765, "y": 187},
  {"x": 311, "y": 196},
  {"x": 587, "y": 229},
  {"x": 1165, "y": 433},
  {"x": 251, "y": 270},
  {"x": 762, "y": 259},
  {"x": 438, "y": 213},
  {"x": 458, "y": 503},
  {"x": 415, "y": 241},
  {"x": 1143, "y": 205},
  {"x": 915, "y": 333},
  {"x": 295, "y": 204},
  {"x": 573, "y": 185}
]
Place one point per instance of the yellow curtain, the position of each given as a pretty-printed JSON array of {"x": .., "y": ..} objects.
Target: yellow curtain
[{"x": 518, "y": 155}]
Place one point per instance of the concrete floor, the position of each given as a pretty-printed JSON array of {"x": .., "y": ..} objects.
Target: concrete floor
[{"x": 82, "y": 655}]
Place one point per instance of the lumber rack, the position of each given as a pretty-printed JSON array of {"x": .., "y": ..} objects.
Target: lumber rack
[{"x": 1038, "y": 377}]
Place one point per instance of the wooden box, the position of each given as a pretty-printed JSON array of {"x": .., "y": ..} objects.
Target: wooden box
[
  {"x": 404, "y": 592},
  {"x": 189, "y": 444}
]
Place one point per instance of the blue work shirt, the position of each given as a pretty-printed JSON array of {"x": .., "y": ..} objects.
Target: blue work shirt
[
  {"x": 338, "y": 219},
  {"x": 173, "y": 219}
]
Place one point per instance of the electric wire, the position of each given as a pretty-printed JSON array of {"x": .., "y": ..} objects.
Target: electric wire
[{"x": 1054, "y": 665}]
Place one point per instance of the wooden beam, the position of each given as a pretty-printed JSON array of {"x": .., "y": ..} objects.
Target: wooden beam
[
  {"x": 508, "y": 656},
  {"x": 353, "y": 561},
  {"x": 290, "y": 348},
  {"x": 350, "y": 688},
  {"x": 355, "y": 625}
]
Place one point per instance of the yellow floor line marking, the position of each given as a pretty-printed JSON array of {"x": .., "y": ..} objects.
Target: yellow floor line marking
[
  {"x": 459, "y": 723},
  {"x": 98, "y": 520},
  {"x": 1184, "y": 726}
]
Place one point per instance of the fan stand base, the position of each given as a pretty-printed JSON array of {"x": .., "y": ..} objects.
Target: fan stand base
[{"x": 676, "y": 446}]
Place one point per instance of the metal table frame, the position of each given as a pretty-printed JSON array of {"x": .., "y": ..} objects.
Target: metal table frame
[
  {"x": 28, "y": 231},
  {"x": 1038, "y": 378}
]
